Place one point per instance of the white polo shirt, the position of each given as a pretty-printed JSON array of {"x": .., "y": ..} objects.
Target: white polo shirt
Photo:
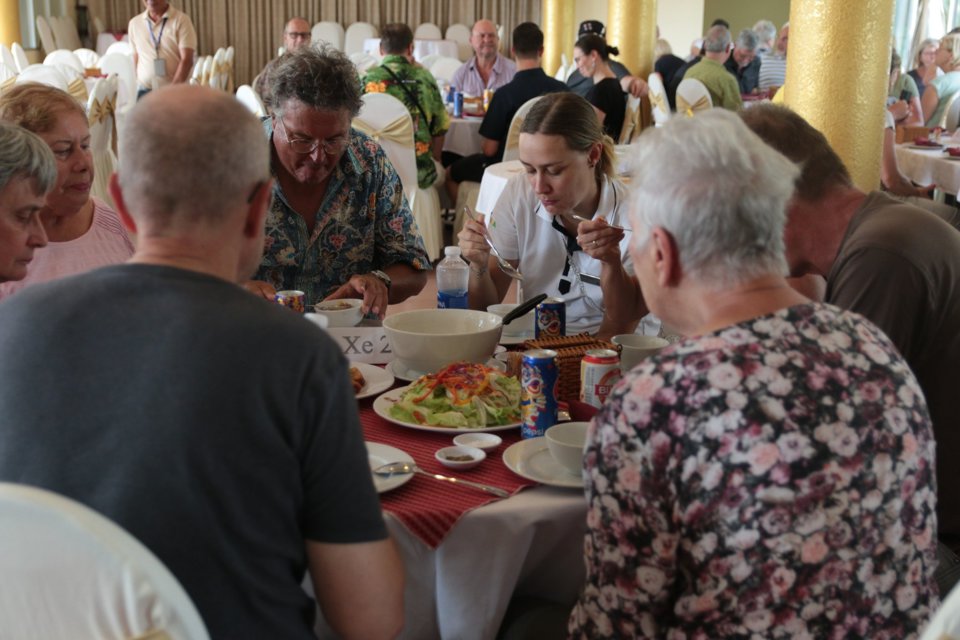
[{"x": 522, "y": 230}]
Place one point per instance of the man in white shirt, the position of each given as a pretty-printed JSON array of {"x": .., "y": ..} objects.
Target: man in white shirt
[
  {"x": 164, "y": 43},
  {"x": 487, "y": 69}
]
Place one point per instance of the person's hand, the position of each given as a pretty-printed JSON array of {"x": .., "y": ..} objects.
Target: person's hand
[
  {"x": 899, "y": 110},
  {"x": 473, "y": 246},
  {"x": 259, "y": 288},
  {"x": 600, "y": 241},
  {"x": 370, "y": 288},
  {"x": 634, "y": 86}
]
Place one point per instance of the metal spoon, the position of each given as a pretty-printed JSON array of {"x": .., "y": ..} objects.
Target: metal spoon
[
  {"x": 505, "y": 266},
  {"x": 577, "y": 216},
  {"x": 392, "y": 468}
]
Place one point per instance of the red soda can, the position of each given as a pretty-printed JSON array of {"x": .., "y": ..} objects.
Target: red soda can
[
  {"x": 293, "y": 300},
  {"x": 551, "y": 318},
  {"x": 599, "y": 371},
  {"x": 538, "y": 392}
]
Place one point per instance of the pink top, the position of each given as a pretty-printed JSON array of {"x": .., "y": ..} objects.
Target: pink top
[{"x": 103, "y": 244}]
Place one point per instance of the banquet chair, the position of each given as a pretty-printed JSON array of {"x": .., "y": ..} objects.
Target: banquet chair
[
  {"x": 196, "y": 74},
  {"x": 945, "y": 624},
  {"x": 692, "y": 96},
  {"x": 120, "y": 47},
  {"x": 98, "y": 26},
  {"x": 47, "y": 40},
  {"x": 64, "y": 57},
  {"x": 88, "y": 58},
  {"x": 6, "y": 57},
  {"x": 218, "y": 77},
  {"x": 355, "y": 35},
  {"x": 511, "y": 148},
  {"x": 563, "y": 70},
  {"x": 428, "y": 31},
  {"x": 460, "y": 33},
  {"x": 427, "y": 61},
  {"x": 658, "y": 99},
  {"x": 206, "y": 74},
  {"x": 69, "y": 572},
  {"x": 329, "y": 32},
  {"x": 8, "y": 77},
  {"x": 249, "y": 98},
  {"x": 387, "y": 120},
  {"x": 65, "y": 32},
  {"x": 951, "y": 113},
  {"x": 228, "y": 59},
  {"x": 631, "y": 120},
  {"x": 20, "y": 56},
  {"x": 102, "y": 118},
  {"x": 122, "y": 66},
  {"x": 363, "y": 61},
  {"x": 444, "y": 68},
  {"x": 44, "y": 74}
]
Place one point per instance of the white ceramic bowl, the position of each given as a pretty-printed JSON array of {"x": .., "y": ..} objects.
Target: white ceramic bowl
[
  {"x": 447, "y": 455},
  {"x": 485, "y": 441},
  {"x": 522, "y": 326},
  {"x": 566, "y": 442},
  {"x": 340, "y": 313},
  {"x": 429, "y": 339}
]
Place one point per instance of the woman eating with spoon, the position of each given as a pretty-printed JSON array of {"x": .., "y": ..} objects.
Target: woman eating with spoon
[{"x": 568, "y": 171}]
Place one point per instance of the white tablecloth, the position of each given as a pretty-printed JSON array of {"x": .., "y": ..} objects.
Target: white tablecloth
[
  {"x": 104, "y": 40},
  {"x": 421, "y": 48},
  {"x": 530, "y": 544},
  {"x": 463, "y": 137},
  {"x": 926, "y": 167}
]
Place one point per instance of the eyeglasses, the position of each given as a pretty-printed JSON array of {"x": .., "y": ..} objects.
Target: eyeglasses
[
  {"x": 305, "y": 146},
  {"x": 302, "y": 35}
]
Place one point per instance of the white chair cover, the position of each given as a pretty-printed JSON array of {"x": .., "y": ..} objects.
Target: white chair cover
[
  {"x": 328, "y": 32},
  {"x": 945, "y": 624},
  {"x": 951, "y": 113},
  {"x": 97, "y": 23},
  {"x": 120, "y": 47},
  {"x": 427, "y": 61},
  {"x": 428, "y": 31},
  {"x": 8, "y": 77},
  {"x": 250, "y": 99},
  {"x": 355, "y": 36},
  {"x": 20, "y": 56},
  {"x": 692, "y": 96},
  {"x": 218, "y": 76},
  {"x": 88, "y": 58},
  {"x": 363, "y": 61},
  {"x": 68, "y": 572},
  {"x": 196, "y": 74},
  {"x": 511, "y": 150},
  {"x": 658, "y": 99},
  {"x": 561, "y": 73},
  {"x": 444, "y": 68},
  {"x": 65, "y": 33},
  {"x": 206, "y": 75},
  {"x": 228, "y": 59},
  {"x": 64, "y": 57},
  {"x": 122, "y": 66},
  {"x": 460, "y": 33},
  {"x": 102, "y": 116},
  {"x": 47, "y": 40},
  {"x": 44, "y": 74},
  {"x": 631, "y": 120},
  {"x": 6, "y": 57}
]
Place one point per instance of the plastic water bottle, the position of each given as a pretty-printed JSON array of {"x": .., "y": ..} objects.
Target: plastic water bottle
[{"x": 453, "y": 275}]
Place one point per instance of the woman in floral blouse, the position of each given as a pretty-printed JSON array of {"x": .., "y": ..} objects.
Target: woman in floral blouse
[{"x": 772, "y": 476}]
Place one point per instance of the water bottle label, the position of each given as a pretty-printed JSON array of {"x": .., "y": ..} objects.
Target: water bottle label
[{"x": 451, "y": 299}]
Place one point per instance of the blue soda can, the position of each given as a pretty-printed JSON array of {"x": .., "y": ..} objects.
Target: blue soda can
[
  {"x": 451, "y": 92},
  {"x": 538, "y": 392},
  {"x": 551, "y": 318},
  {"x": 458, "y": 104}
]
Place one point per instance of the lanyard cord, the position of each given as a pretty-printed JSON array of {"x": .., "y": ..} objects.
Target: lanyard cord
[{"x": 157, "y": 39}]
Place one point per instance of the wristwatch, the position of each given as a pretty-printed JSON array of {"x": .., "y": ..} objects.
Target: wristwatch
[{"x": 382, "y": 277}]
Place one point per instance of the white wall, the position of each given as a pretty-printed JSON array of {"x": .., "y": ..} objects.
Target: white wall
[{"x": 680, "y": 20}]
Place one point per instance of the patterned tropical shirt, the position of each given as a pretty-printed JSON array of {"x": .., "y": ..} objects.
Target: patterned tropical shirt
[
  {"x": 363, "y": 224},
  {"x": 421, "y": 84},
  {"x": 774, "y": 479}
]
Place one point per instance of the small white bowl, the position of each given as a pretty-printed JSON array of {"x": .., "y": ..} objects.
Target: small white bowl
[
  {"x": 484, "y": 441},
  {"x": 566, "y": 442},
  {"x": 445, "y": 455},
  {"x": 340, "y": 313}
]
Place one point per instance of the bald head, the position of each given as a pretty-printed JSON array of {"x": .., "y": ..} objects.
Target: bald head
[
  {"x": 296, "y": 34},
  {"x": 484, "y": 39},
  {"x": 190, "y": 156}
]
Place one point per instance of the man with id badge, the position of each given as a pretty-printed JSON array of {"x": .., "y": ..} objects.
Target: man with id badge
[{"x": 164, "y": 42}]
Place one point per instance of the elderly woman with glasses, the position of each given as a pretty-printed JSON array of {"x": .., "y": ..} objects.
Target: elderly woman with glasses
[
  {"x": 84, "y": 231},
  {"x": 339, "y": 225},
  {"x": 773, "y": 474}
]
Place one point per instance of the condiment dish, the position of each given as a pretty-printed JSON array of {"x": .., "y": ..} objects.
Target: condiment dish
[
  {"x": 483, "y": 441},
  {"x": 460, "y": 457}
]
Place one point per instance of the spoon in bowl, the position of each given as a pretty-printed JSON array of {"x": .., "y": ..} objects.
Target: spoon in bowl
[{"x": 393, "y": 468}]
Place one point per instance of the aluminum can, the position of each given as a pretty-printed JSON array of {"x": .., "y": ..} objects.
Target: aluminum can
[
  {"x": 538, "y": 391},
  {"x": 293, "y": 300},
  {"x": 458, "y": 104},
  {"x": 551, "y": 318},
  {"x": 451, "y": 90},
  {"x": 599, "y": 371},
  {"x": 487, "y": 97}
]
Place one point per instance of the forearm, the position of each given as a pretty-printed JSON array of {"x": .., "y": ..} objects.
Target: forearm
[
  {"x": 623, "y": 301},
  {"x": 183, "y": 69},
  {"x": 405, "y": 282},
  {"x": 437, "y": 147},
  {"x": 482, "y": 289}
]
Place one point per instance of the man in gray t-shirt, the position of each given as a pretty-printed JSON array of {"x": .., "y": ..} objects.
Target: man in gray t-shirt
[{"x": 219, "y": 429}]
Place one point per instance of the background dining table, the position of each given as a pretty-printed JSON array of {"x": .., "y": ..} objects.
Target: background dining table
[
  {"x": 463, "y": 136},
  {"x": 930, "y": 166}
]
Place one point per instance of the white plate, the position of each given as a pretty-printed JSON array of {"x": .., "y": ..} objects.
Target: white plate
[
  {"x": 381, "y": 406},
  {"x": 377, "y": 379},
  {"x": 926, "y": 147},
  {"x": 531, "y": 459},
  {"x": 381, "y": 454},
  {"x": 512, "y": 340},
  {"x": 409, "y": 375}
]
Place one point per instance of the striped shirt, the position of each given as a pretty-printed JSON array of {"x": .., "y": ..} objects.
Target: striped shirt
[{"x": 773, "y": 71}]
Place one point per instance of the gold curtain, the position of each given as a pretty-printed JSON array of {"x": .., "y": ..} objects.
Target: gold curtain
[{"x": 254, "y": 27}]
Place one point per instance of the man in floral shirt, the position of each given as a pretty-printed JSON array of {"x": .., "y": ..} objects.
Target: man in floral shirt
[
  {"x": 773, "y": 475},
  {"x": 339, "y": 226},
  {"x": 417, "y": 90}
]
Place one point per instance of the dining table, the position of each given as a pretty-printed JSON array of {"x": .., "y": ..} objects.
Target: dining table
[
  {"x": 463, "y": 136},
  {"x": 466, "y": 553},
  {"x": 930, "y": 165}
]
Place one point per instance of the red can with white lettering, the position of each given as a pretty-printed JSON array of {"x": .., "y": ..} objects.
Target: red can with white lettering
[{"x": 599, "y": 371}]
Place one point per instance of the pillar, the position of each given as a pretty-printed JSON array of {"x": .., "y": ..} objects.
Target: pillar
[
  {"x": 559, "y": 33},
  {"x": 632, "y": 28},
  {"x": 838, "y": 59},
  {"x": 9, "y": 22}
]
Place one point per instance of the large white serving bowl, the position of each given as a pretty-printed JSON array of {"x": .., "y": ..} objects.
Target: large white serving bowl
[{"x": 427, "y": 340}]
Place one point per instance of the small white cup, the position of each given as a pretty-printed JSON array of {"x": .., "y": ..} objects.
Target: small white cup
[
  {"x": 522, "y": 326},
  {"x": 566, "y": 442},
  {"x": 634, "y": 348}
]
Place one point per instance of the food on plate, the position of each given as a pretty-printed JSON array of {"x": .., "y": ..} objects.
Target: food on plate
[
  {"x": 924, "y": 141},
  {"x": 953, "y": 151},
  {"x": 357, "y": 379},
  {"x": 461, "y": 395},
  {"x": 335, "y": 305}
]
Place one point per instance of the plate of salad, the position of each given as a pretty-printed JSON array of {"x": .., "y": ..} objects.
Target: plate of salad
[{"x": 460, "y": 397}]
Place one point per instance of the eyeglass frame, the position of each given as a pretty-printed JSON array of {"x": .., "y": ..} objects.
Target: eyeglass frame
[{"x": 314, "y": 144}]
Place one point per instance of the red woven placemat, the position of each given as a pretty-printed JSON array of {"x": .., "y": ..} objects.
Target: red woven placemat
[{"x": 430, "y": 508}]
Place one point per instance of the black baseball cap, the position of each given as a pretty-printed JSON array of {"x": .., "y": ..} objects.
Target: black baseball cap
[{"x": 592, "y": 26}]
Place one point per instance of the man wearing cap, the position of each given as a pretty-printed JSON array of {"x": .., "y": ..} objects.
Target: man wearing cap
[
  {"x": 575, "y": 81},
  {"x": 164, "y": 42},
  {"x": 487, "y": 69}
]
